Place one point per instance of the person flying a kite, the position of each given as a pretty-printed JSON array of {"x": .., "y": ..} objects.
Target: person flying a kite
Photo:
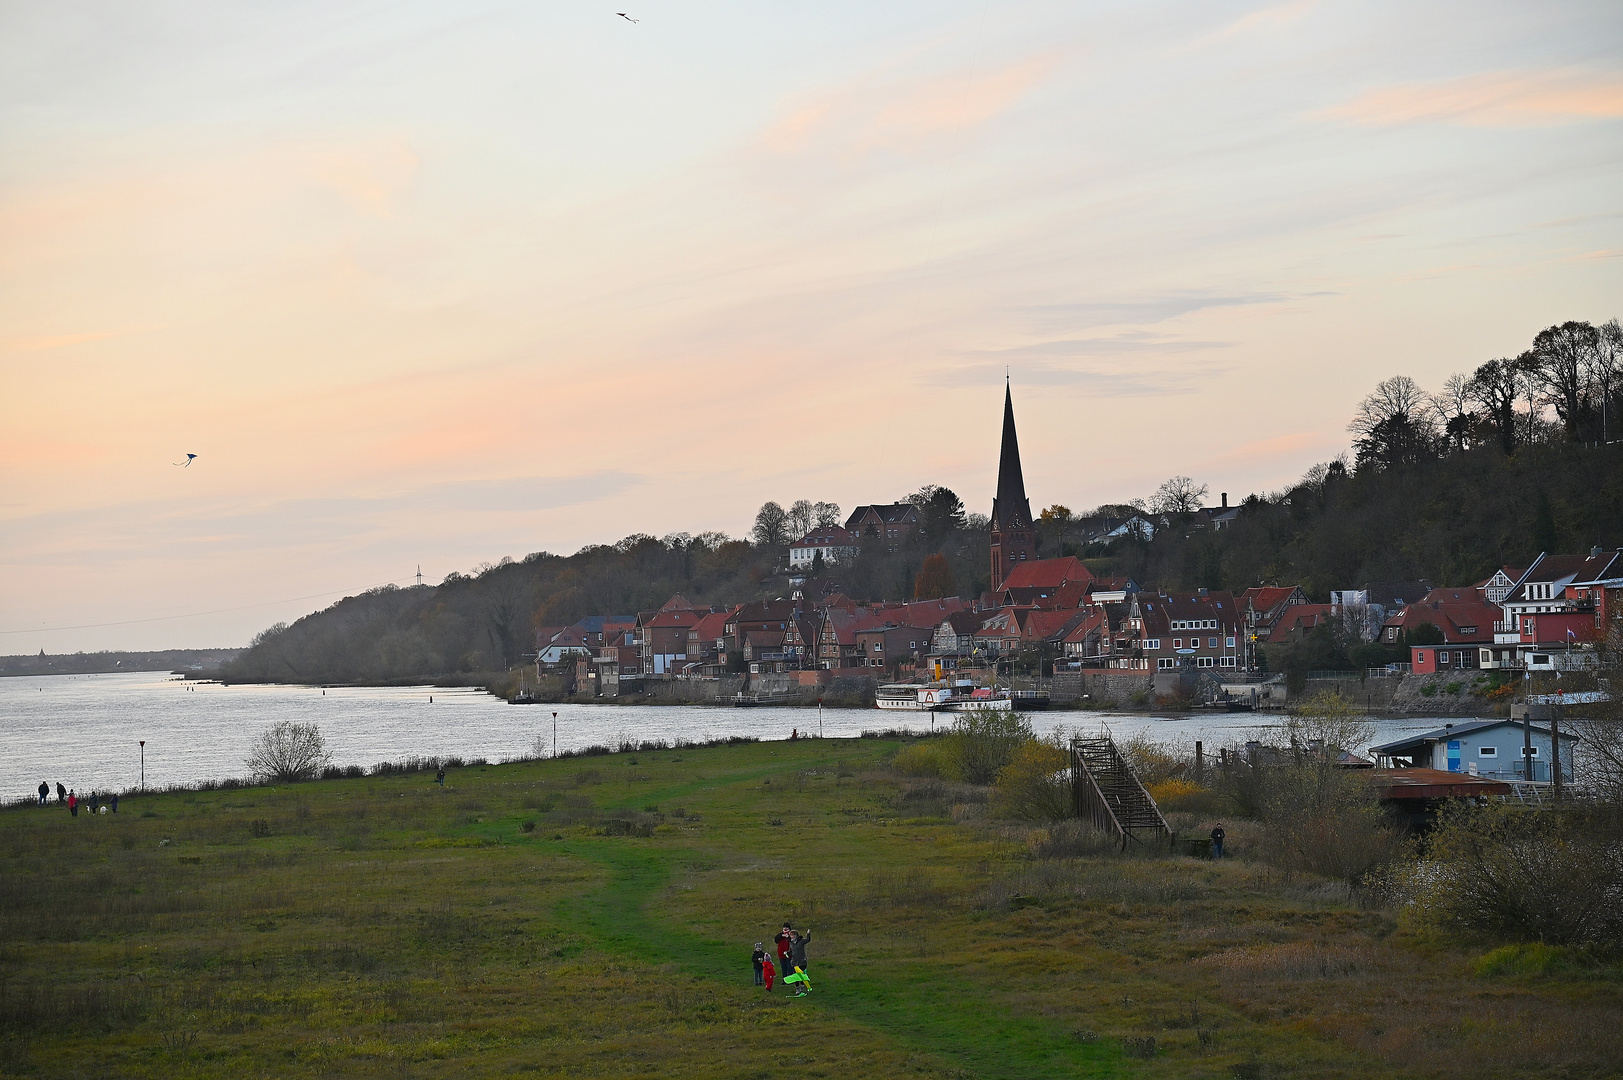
[{"x": 802, "y": 981}]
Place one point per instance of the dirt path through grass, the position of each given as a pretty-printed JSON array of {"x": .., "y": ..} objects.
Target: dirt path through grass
[{"x": 923, "y": 1005}]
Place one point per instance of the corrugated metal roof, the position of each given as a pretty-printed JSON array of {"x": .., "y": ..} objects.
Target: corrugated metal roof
[{"x": 1434, "y": 784}]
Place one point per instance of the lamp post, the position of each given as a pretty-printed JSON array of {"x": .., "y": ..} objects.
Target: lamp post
[
  {"x": 555, "y": 735},
  {"x": 143, "y": 764}
]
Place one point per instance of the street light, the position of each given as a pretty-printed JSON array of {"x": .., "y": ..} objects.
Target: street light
[
  {"x": 555, "y": 735},
  {"x": 143, "y": 764}
]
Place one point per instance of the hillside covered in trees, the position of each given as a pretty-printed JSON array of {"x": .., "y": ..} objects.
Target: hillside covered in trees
[{"x": 1506, "y": 462}]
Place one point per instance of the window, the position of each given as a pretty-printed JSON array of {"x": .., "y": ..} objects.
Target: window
[
  {"x": 1177, "y": 643},
  {"x": 1211, "y": 643},
  {"x": 1206, "y": 661},
  {"x": 1487, "y": 751},
  {"x": 1228, "y": 643},
  {"x": 1228, "y": 661},
  {"x": 1152, "y": 643},
  {"x": 1165, "y": 663}
]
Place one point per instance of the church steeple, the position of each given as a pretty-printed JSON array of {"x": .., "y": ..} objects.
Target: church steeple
[{"x": 1012, "y": 539}]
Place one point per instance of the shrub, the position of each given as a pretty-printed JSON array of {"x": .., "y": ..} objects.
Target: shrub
[
  {"x": 982, "y": 741},
  {"x": 1532, "y": 959},
  {"x": 1179, "y": 794},
  {"x": 925, "y": 759},
  {"x": 1319, "y": 817},
  {"x": 286, "y": 751},
  {"x": 1553, "y": 876},
  {"x": 1034, "y": 785},
  {"x": 1153, "y": 760}
]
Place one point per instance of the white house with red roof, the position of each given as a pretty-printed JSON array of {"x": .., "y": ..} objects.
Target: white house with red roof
[{"x": 833, "y": 543}]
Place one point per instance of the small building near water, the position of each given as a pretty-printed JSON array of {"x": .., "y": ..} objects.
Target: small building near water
[
  {"x": 1416, "y": 796},
  {"x": 1488, "y": 748}
]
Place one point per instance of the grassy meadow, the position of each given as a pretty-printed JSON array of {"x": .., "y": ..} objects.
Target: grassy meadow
[{"x": 593, "y": 917}]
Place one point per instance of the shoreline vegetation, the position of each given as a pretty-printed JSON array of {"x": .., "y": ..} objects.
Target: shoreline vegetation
[{"x": 591, "y": 915}]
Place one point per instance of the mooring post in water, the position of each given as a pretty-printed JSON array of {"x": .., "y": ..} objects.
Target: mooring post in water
[{"x": 1200, "y": 762}]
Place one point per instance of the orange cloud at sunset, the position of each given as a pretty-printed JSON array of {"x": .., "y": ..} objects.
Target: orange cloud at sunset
[{"x": 1494, "y": 99}]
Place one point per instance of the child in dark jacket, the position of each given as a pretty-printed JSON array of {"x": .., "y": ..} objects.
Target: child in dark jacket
[{"x": 756, "y": 958}]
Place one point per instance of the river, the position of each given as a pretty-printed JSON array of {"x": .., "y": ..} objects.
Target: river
[{"x": 85, "y": 730}]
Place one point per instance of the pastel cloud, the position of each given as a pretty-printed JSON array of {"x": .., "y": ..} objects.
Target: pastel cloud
[
  {"x": 905, "y": 113},
  {"x": 1491, "y": 99}
]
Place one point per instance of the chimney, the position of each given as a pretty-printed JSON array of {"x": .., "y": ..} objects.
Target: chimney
[{"x": 1225, "y": 500}]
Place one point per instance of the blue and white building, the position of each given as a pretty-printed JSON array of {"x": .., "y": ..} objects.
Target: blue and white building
[{"x": 1490, "y": 748}]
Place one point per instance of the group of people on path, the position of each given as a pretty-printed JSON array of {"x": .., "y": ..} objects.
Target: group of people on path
[
  {"x": 791, "y": 952},
  {"x": 66, "y": 796}
]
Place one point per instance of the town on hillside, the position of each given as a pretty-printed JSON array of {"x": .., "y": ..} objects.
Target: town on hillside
[{"x": 1054, "y": 627}]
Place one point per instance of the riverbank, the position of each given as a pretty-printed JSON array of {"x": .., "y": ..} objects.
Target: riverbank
[{"x": 594, "y": 917}]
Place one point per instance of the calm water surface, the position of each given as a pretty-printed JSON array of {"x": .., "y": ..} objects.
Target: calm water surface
[{"x": 85, "y": 730}]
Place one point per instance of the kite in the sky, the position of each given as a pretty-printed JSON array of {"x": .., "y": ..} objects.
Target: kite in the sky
[
  {"x": 626, "y": 17},
  {"x": 185, "y": 464}
]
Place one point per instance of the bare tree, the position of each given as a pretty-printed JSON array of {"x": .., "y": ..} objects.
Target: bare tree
[
  {"x": 1397, "y": 396},
  {"x": 1179, "y": 495},
  {"x": 826, "y": 515},
  {"x": 286, "y": 751},
  {"x": 505, "y": 621},
  {"x": 1565, "y": 357},
  {"x": 1608, "y": 374},
  {"x": 1396, "y": 425},
  {"x": 1453, "y": 408},
  {"x": 771, "y": 526},
  {"x": 801, "y": 516},
  {"x": 1497, "y": 386}
]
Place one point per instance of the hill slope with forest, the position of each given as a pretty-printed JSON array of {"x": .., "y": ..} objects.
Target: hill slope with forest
[{"x": 1450, "y": 520}]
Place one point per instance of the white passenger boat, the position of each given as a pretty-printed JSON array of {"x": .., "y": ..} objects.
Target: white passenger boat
[{"x": 936, "y": 698}]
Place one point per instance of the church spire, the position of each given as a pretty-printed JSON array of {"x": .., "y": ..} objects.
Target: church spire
[
  {"x": 1012, "y": 539},
  {"x": 1011, "y": 508}
]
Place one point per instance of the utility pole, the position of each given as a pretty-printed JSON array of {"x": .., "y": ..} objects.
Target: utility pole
[
  {"x": 419, "y": 573},
  {"x": 1555, "y": 750},
  {"x": 1527, "y": 743}
]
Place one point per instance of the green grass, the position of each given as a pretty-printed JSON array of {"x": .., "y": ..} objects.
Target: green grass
[{"x": 384, "y": 927}]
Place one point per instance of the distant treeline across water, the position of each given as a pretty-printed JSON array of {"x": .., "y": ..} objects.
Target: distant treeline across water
[{"x": 102, "y": 663}]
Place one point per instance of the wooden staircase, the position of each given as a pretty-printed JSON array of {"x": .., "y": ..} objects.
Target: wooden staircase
[{"x": 1105, "y": 790}]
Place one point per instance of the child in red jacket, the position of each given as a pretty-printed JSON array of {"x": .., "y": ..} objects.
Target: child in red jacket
[{"x": 768, "y": 972}]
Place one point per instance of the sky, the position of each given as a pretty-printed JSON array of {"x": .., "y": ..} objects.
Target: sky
[{"x": 429, "y": 284}]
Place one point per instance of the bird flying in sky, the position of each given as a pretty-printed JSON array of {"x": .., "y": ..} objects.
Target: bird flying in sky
[
  {"x": 626, "y": 17},
  {"x": 185, "y": 464}
]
